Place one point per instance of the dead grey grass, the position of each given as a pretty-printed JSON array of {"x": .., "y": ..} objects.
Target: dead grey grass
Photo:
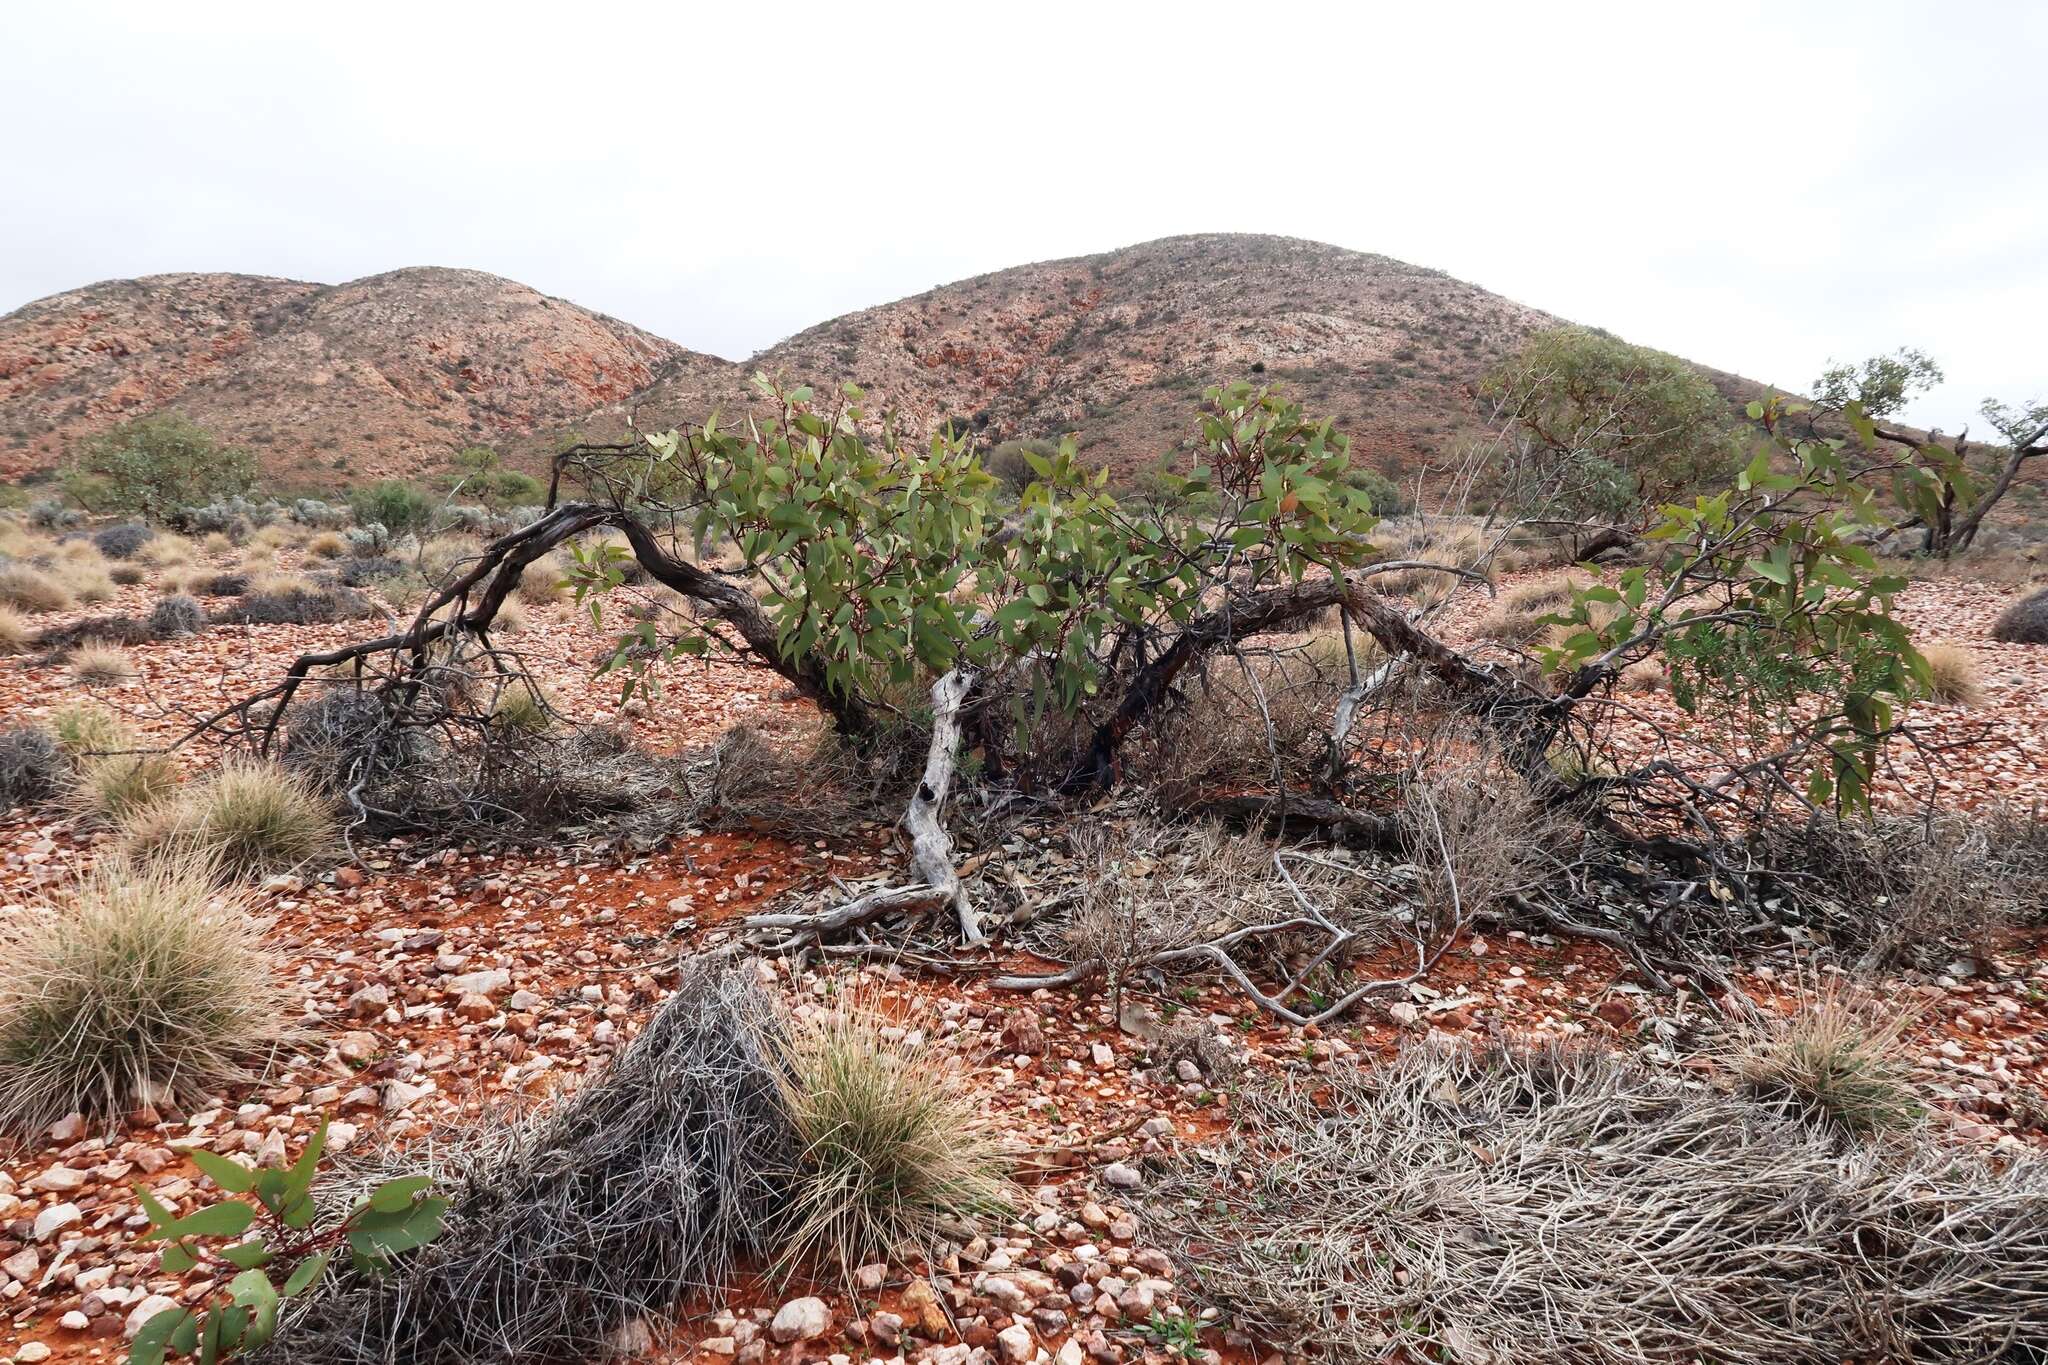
[{"x": 1564, "y": 1205}]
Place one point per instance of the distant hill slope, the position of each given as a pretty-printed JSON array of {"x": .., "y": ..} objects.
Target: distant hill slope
[
  {"x": 328, "y": 384},
  {"x": 392, "y": 374},
  {"x": 1117, "y": 347}
]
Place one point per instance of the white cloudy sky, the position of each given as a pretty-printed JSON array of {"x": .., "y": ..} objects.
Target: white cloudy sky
[{"x": 1754, "y": 186}]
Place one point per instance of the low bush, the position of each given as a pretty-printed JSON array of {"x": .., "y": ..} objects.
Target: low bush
[
  {"x": 1418, "y": 1210},
  {"x": 136, "y": 985},
  {"x": 522, "y": 709},
  {"x": 633, "y": 1193},
  {"x": 248, "y": 819},
  {"x": 123, "y": 541},
  {"x": 176, "y": 615},
  {"x": 363, "y": 573},
  {"x": 32, "y": 767},
  {"x": 14, "y": 631},
  {"x": 101, "y": 666},
  {"x": 392, "y": 504},
  {"x": 2025, "y": 622},
  {"x": 298, "y": 605},
  {"x": 127, "y": 575},
  {"x": 166, "y": 550},
  {"x": 30, "y": 589},
  {"x": 229, "y": 584},
  {"x": 893, "y": 1146}
]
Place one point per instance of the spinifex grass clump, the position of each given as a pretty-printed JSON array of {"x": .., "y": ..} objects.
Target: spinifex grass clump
[
  {"x": 250, "y": 819},
  {"x": 894, "y": 1146},
  {"x": 133, "y": 984},
  {"x": 1834, "y": 1062}
]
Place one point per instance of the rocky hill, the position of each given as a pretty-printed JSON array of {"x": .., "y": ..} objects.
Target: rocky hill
[
  {"x": 393, "y": 373},
  {"x": 328, "y": 384},
  {"x": 1117, "y": 347}
]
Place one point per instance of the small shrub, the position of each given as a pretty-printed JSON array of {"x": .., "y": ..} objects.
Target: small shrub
[
  {"x": 327, "y": 545},
  {"x": 1832, "y": 1063},
  {"x": 177, "y": 615},
  {"x": 392, "y": 504},
  {"x": 50, "y": 514},
  {"x": 1954, "y": 675},
  {"x": 116, "y": 787},
  {"x": 894, "y": 1147},
  {"x": 219, "y": 584},
  {"x": 1645, "y": 675},
  {"x": 122, "y": 542},
  {"x": 510, "y": 620},
  {"x": 135, "y": 985},
  {"x": 2025, "y": 622},
  {"x": 31, "y": 589},
  {"x": 14, "y": 632},
  {"x": 363, "y": 573},
  {"x": 127, "y": 575},
  {"x": 249, "y": 819},
  {"x": 369, "y": 539},
  {"x": 101, "y": 666},
  {"x": 32, "y": 767},
  {"x": 298, "y": 604}
]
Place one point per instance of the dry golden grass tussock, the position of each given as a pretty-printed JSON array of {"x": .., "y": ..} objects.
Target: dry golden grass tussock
[
  {"x": 133, "y": 985},
  {"x": 895, "y": 1143}
]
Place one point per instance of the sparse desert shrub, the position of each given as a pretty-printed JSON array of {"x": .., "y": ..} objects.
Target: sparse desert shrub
[
  {"x": 176, "y": 615},
  {"x": 1833, "y": 1063},
  {"x": 1479, "y": 835},
  {"x": 511, "y": 619},
  {"x": 300, "y": 605},
  {"x": 28, "y": 588},
  {"x": 155, "y": 465},
  {"x": 14, "y": 631},
  {"x": 894, "y": 1146},
  {"x": 637, "y": 1190},
  {"x": 1413, "y": 1210},
  {"x": 442, "y": 558},
  {"x": 216, "y": 543},
  {"x": 363, "y": 573},
  {"x": 32, "y": 767},
  {"x": 115, "y": 787},
  {"x": 369, "y": 539},
  {"x": 101, "y": 666},
  {"x": 134, "y": 985},
  {"x": 391, "y": 504},
  {"x": 50, "y": 514},
  {"x": 1953, "y": 677},
  {"x": 346, "y": 737},
  {"x": 127, "y": 575},
  {"x": 123, "y": 541},
  {"x": 2025, "y": 622},
  {"x": 248, "y": 819},
  {"x": 327, "y": 545},
  {"x": 321, "y": 516}
]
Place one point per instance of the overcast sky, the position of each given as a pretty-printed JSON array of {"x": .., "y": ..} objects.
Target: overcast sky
[{"x": 1757, "y": 187}]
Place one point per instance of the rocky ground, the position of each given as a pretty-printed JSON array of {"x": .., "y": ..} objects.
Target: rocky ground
[{"x": 441, "y": 982}]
